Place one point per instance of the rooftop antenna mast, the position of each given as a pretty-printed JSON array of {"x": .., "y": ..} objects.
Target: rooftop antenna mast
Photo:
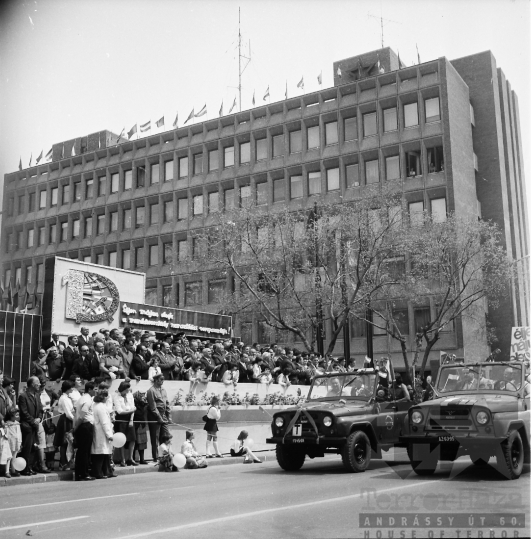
[
  {"x": 381, "y": 19},
  {"x": 240, "y": 56}
]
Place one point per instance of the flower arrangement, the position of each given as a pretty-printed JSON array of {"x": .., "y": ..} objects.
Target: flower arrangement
[
  {"x": 190, "y": 398},
  {"x": 178, "y": 400},
  {"x": 231, "y": 398},
  {"x": 234, "y": 399}
]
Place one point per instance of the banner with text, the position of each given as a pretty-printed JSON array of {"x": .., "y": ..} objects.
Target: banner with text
[
  {"x": 520, "y": 344},
  {"x": 167, "y": 320}
]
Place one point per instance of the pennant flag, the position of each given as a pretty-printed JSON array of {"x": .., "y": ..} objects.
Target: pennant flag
[
  {"x": 190, "y": 116},
  {"x": 380, "y": 68},
  {"x": 145, "y": 127},
  {"x": 176, "y": 121},
  {"x": 120, "y": 136},
  {"x": 320, "y": 78},
  {"x": 286, "y": 92},
  {"x": 73, "y": 152},
  {"x": 49, "y": 154},
  {"x": 221, "y": 110},
  {"x": 160, "y": 123},
  {"x": 31, "y": 157},
  {"x": 24, "y": 298},
  {"x": 9, "y": 294},
  {"x": 202, "y": 112},
  {"x": 399, "y": 64},
  {"x": 233, "y": 105},
  {"x": 301, "y": 83},
  {"x": 15, "y": 299},
  {"x": 20, "y": 164},
  {"x": 253, "y": 98},
  {"x": 131, "y": 132},
  {"x": 360, "y": 69},
  {"x": 418, "y": 55},
  {"x": 266, "y": 95},
  {"x": 39, "y": 158},
  {"x": 338, "y": 71}
]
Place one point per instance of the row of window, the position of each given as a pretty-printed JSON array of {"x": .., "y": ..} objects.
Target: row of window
[
  {"x": 122, "y": 219},
  {"x": 213, "y": 160}
]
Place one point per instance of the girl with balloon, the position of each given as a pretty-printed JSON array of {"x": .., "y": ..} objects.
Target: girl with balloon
[
  {"x": 10, "y": 444},
  {"x": 242, "y": 448}
]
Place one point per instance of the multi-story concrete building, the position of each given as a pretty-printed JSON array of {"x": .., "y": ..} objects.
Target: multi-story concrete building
[{"x": 448, "y": 129}]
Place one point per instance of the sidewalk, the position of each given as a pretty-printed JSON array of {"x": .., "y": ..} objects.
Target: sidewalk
[{"x": 68, "y": 475}]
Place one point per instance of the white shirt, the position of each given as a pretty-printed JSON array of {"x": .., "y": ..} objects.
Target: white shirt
[
  {"x": 153, "y": 371},
  {"x": 214, "y": 413},
  {"x": 75, "y": 395},
  {"x": 84, "y": 409},
  {"x": 124, "y": 406},
  {"x": 66, "y": 406}
]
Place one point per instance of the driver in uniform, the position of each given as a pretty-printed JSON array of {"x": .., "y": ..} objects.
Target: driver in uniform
[{"x": 335, "y": 388}]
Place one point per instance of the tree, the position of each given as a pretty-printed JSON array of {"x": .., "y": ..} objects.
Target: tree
[
  {"x": 288, "y": 263},
  {"x": 460, "y": 263}
]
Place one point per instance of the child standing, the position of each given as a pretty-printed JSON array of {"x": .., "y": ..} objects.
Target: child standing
[{"x": 10, "y": 442}]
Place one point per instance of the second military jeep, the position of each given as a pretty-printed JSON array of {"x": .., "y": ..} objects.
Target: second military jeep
[
  {"x": 479, "y": 409},
  {"x": 353, "y": 414}
]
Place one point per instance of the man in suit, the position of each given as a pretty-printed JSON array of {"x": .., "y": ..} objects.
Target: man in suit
[
  {"x": 31, "y": 413},
  {"x": 87, "y": 365},
  {"x": 70, "y": 354},
  {"x": 55, "y": 342},
  {"x": 85, "y": 338}
]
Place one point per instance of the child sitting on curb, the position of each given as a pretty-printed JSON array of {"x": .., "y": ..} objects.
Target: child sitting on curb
[{"x": 238, "y": 449}]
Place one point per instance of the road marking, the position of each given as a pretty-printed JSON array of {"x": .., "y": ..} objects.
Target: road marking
[
  {"x": 69, "y": 501},
  {"x": 266, "y": 511},
  {"x": 40, "y": 523}
]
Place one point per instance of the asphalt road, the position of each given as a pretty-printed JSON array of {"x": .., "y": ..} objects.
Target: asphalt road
[{"x": 261, "y": 501}]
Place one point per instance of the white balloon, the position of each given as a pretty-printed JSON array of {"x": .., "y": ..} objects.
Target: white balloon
[
  {"x": 118, "y": 440},
  {"x": 179, "y": 460},
  {"x": 19, "y": 464}
]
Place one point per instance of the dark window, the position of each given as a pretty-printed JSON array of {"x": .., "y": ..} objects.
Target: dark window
[
  {"x": 11, "y": 205},
  {"x": 114, "y": 221},
  {"x": 167, "y": 253},
  {"x": 88, "y": 227},
  {"x": 31, "y": 202},
  {"x": 198, "y": 164},
  {"x": 357, "y": 328},
  {"x": 21, "y": 199},
  {"x": 422, "y": 318},
  {"x": 370, "y": 127},
  {"x": 65, "y": 199},
  {"x": 167, "y": 300},
  {"x": 182, "y": 250},
  {"x": 295, "y": 141},
  {"x": 53, "y": 234},
  {"x": 140, "y": 176},
  {"x": 353, "y": 175},
  {"x": 151, "y": 296},
  {"x": 413, "y": 164},
  {"x": 139, "y": 257},
  {"x": 193, "y": 293},
  {"x": 351, "y": 128},
  {"x": 127, "y": 218},
  {"x": 278, "y": 145},
  {"x": 101, "y": 186},
  {"x": 153, "y": 255},
  {"x": 278, "y": 190},
  {"x": 215, "y": 291},
  {"x": 140, "y": 215},
  {"x": 77, "y": 191},
  {"x": 261, "y": 149},
  {"x": 213, "y": 159},
  {"x": 435, "y": 159},
  {"x": 390, "y": 119}
]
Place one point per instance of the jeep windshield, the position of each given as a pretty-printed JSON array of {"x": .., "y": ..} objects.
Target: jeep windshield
[
  {"x": 479, "y": 378},
  {"x": 343, "y": 386}
]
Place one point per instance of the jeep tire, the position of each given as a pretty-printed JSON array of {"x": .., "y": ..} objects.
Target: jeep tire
[
  {"x": 511, "y": 457},
  {"x": 289, "y": 457},
  {"x": 356, "y": 453},
  {"x": 426, "y": 466}
]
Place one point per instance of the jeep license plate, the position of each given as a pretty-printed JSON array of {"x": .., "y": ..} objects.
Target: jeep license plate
[
  {"x": 297, "y": 430},
  {"x": 446, "y": 439}
]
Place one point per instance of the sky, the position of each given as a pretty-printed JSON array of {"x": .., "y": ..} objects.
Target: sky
[{"x": 73, "y": 67}]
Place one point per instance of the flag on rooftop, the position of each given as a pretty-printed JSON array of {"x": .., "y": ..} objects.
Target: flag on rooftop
[
  {"x": 301, "y": 83},
  {"x": 160, "y": 123},
  {"x": 190, "y": 116},
  {"x": 320, "y": 78},
  {"x": 145, "y": 127},
  {"x": 31, "y": 157},
  {"x": 221, "y": 109},
  {"x": 39, "y": 158},
  {"x": 49, "y": 154},
  {"x": 399, "y": 66},
  {"x": 380, "y": 68},
  {"x": 418, "y": 55},
  {"x": 286, "y": 92},
  {"x": 120, "y": 135},
  {"x": 73, "y": 152},
  {"x": 338, "y": 71},
  {"x": 20, "y": 164},
  {"x": 131, "y": 132},
  {"x": 202, "y": 112},
  {"x": 266, "y": 95},
  {"x": 176, "y": 121},
  {"x": 360, "y": 69},
  {"x": 254, "y": 101},
  {"x": 233, "y": 105}
]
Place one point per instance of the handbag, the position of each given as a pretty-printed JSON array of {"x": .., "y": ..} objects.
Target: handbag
[{"x": 205, "y": 418}]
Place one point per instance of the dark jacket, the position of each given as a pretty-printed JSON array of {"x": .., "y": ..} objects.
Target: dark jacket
[
  {"x": 6, "y": 403},
  {"x": 86, "y": 368},
  {"x": 30, "y": 409},
  {"x": 69, "y": 358},
  {"x": 139, "y": 367}
]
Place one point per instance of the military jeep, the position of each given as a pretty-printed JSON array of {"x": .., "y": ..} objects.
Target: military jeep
[
  {"x": 353, "y": 414},
  {"x": 480, "y": 410}
]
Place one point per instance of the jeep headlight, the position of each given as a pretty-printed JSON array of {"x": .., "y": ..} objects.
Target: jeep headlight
[
  {"x": 417, "y": 417},
  {"x": 327, "y": 421},
  {"x": 482, "y": 417},
  {"x": 279, "y": 421}
]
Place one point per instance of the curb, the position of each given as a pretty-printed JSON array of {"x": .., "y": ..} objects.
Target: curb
[{"x": 68, "y": 475}]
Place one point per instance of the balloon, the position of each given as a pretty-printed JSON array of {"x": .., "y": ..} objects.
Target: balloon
[
  {"x": 249, "y": 442},
  {"x": 179, "y": 460},
  {"x": 19, "y": 464},
  {"x": 118, "y": 440}
]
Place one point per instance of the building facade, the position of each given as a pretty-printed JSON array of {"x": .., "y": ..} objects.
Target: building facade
[{"x": 135, "y": 205}]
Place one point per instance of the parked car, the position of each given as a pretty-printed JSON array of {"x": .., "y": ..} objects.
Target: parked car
[
  {"x": 480, "y": 410},
  {"x": 354, "y": 414}
]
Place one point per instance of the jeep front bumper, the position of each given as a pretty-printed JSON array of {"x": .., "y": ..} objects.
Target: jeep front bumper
[{"x": 308, "y": 440}]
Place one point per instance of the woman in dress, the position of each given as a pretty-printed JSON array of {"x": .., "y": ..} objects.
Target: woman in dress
[
  {"x": 124, "y": 406},
  {"x": 211, "y": 427},
  {"x": 65, "y": 423},
  {"x": 103, "y": 435}
]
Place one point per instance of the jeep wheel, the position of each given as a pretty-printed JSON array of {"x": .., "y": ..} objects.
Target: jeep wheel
[
  {"x": 356, "y": 453},
  {"x": 511, "y": 460},
  {"x": 422, "y": 467},
  {"x": 290, "y": 458}
]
